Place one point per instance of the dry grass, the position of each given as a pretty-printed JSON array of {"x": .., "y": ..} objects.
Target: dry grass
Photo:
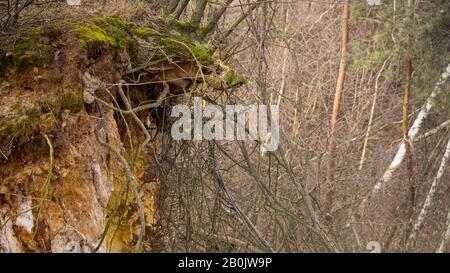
[
  {"x": 127, "y": 9},
  {"x": 130, "y": 10}
]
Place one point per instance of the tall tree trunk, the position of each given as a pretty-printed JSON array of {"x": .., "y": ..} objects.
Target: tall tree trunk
[
  {"x": 214, "y": 20},
  {"x": 406, "y": 140},
  {"x": 197, "y": 13},
  {"x": 337, "y": 102}
]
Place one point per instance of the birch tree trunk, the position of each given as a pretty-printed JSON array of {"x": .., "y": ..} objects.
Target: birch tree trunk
[
  {"x": 446, "y": 236},
  {"x": 412, "y": 134},
  {"x": 423, "y": 213}
]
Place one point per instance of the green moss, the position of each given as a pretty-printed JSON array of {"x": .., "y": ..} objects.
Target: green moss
[
  {"x": 31, "y": 39},
  {"x": 231, "y": 78},
  {"x": 105, "y": 29},
  {"x": 119, "y": 33},
  {"x": 214, "y": 81},
  {"x": 116, "y": 21},
  {"x": 203, "y": 32},
  {"x": 184, "y": 26},
  {"x": 31, "y": 49},
  {"x": 68, "y": 98},
  {"x": 25, "y": 127},
  {"x": 183, "y": 46},
  {"x": 25, "y": 123},
  {"x": 201, "y": 54},
  {"x": 144, "y": 32},
  {"x": 71, "y": 98},
  {"x": 20, "y": 128},
  {"x": 22, "y": 46},
  {"x": 93, "y": 33}
]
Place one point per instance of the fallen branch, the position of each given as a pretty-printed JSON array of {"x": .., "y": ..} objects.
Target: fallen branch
[{"x": 433, "y": 131}]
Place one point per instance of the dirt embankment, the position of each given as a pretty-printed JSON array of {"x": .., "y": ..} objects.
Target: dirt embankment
[
  {"x": 68, "y": 182},
  {"x": 56, "y": 179}
]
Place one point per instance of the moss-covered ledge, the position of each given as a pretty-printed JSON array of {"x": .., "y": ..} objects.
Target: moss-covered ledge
[{"x": 38, "y": 48}]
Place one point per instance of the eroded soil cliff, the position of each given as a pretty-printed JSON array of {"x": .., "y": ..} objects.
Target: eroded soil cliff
[{"x": 56, "y": 179}]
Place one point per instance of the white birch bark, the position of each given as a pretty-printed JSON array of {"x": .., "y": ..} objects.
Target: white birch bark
[
  {"x": 412, "y": 133},
  {"x": 446, "y": 236},
  {"x": 426, "y": 205},
  {"x": 433, "y": 131}
]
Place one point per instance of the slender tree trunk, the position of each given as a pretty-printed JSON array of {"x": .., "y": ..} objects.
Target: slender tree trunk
[
  {"x": 218, "y": 13},
  {"x": 198, "y": 12},
  {"x": 177, "y": 12},
  {"x": 285, "y": 57},
  {"x": 172, "y": 5},
  {"x": 337, "y": 101},
  {"x": 238, "y": 21},
  {"x": 406, "y": 141},
  {"x": 372, "y": 112}
]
